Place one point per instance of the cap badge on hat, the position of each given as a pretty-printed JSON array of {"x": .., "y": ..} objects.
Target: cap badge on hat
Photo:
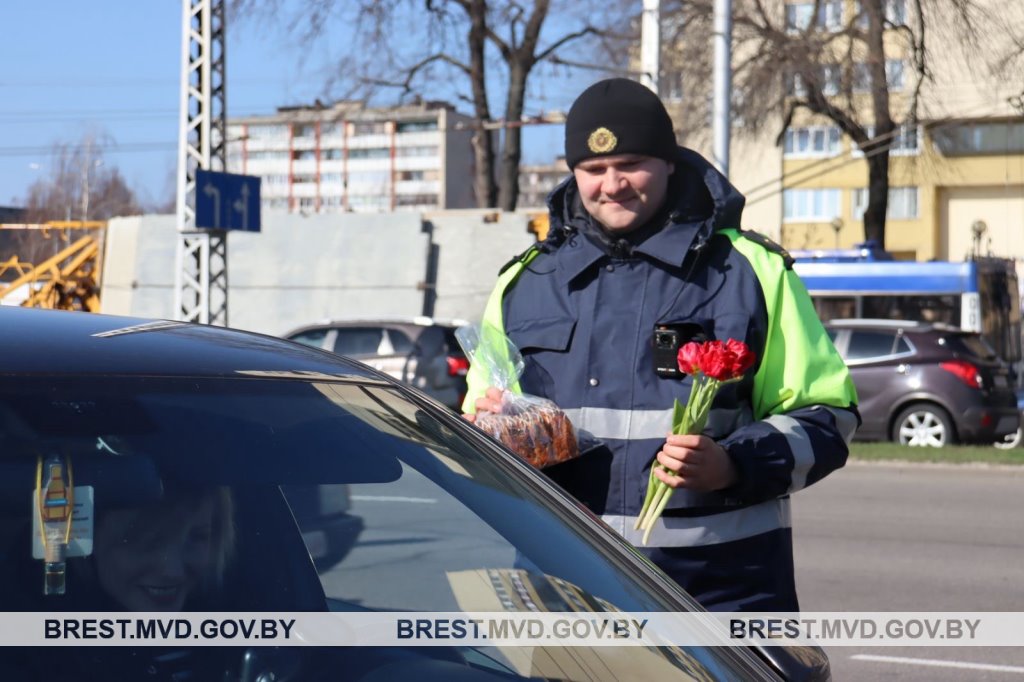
[{"x": 602, "y": 141}]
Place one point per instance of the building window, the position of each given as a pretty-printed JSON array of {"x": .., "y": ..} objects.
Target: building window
[
  {"x": 905, "y": 141},
  {"x": 279, "y": 202},
  {"x": 810, "y": 205},
  {"x": 967, "y": 139},
  {"x": 828, "y": 77},
  {"x": 276, "y": 179},
  {"x": 373, "y": 202},
  {"x": 812, "y": 141},
  {"x": 369, "y": 127},
  {"x": 331, "y": 202},
  {"x": 416, "y": 151},
  {"x": 304, "y": 155},
  {"x": 895, "y": 13},
  {"x": 369, "y": 153},
  {"x": 330, "y": 178},
  {"x": 332, "y": 128},
  {"x": 799, "y": 16},
  {"x": 894, "y": 76},
  {"x": 331, "y": 154},
  {"x": 902, "y": 203},
  {"x": 416, "y": 200},
  {"x": 370, "y": 177},
  {"x": 268, "y": 156},
  {"x": 268, "y": 131},
  {"x": 305, "y": 130},
  {"x": 416, "y": 126},
  {"x": 423, "y": 175}
]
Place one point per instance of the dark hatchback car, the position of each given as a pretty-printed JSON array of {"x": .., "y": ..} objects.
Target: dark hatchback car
[
  {"x": 420, "y": 351},
  {"x": 926, "y": 384},
  {"x": 151, "y": 413}
]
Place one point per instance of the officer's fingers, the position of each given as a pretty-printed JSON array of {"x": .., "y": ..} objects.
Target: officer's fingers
[
  {"x": 685, "y": 440},
  {"x": 671, "y": 479},
  {"x": 494, "y": 394},
  {"x": 469, "y": 417},
  {"x": 678, "y": 453},
  {"x": 671, "y": 461}
]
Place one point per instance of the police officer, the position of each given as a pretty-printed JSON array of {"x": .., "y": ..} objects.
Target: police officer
[{"x": 644, "y": 253}]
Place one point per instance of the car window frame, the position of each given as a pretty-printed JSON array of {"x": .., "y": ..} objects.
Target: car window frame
[{"x": 845, "y": 335}]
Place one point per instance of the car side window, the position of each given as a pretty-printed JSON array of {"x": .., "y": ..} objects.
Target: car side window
[
  {"x": 902, "y": 346},
  {"x": 400, "y": 342},
  {"x": 870, "y": 344},
  {"x": 359, "y": 341},
  {"x": 313, "y": 337}
]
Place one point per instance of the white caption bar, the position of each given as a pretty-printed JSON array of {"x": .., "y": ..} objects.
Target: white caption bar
[{"x": 513, "y": 629}]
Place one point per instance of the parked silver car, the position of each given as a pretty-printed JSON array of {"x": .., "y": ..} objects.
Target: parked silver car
[{"x": 419, "y": 351}]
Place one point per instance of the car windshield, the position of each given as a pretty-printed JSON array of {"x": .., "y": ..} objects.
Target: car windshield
[{"x": 346, "y": 496}]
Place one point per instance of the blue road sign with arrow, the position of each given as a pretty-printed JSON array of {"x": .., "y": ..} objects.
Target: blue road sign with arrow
[{"x": 227, "y": 201}]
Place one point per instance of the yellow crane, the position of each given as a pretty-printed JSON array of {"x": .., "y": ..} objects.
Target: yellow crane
[{"x": 68, "y": 280}]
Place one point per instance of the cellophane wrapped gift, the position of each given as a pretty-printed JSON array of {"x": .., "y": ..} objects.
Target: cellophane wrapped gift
[{"x": 532, "y": 427}]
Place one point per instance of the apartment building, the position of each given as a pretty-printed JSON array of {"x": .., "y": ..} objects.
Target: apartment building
[
  {"x": 350, "y": 157},
  {"x": 537, "y": 181},
  {"x": 958, "y": 170}
]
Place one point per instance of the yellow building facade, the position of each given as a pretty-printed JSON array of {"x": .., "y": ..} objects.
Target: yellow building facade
[{"x": 960, "y": 169}]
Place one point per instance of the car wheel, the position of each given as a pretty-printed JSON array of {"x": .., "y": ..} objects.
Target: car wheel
[
  {"x": 1012, "y": 441},
  {"x": 923, "y": 425}
]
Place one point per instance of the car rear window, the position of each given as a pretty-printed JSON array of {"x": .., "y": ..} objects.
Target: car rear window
[{"x": 970, "y": 344}]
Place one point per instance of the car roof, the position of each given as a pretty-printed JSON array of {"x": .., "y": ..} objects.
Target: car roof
[
  {"x": 907, "y": 325},
  {"x": 417, "y": 321},
  {"x": 56, "y": 342}
]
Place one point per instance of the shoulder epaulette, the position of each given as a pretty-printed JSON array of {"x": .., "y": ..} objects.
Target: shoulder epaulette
[
  {"x": 769, "y": 245},
  {"x": 524, "y": 257}
]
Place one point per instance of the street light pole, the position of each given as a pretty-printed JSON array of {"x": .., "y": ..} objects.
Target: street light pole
[
  {"x": 650, "y": 44},
  {"x": 722, "y": 115}
]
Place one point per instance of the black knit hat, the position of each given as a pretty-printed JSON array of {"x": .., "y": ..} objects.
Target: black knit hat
[{"x": 618, "y": 116}]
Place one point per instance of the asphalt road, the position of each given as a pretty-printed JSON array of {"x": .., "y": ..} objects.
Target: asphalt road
[{"x": 887, "y": 537}]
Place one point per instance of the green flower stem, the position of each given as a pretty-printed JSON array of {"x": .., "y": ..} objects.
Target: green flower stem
[
  {"x": 656, "y": 512},
  {"x": 651, "y": 486},
  {"x": 688, "y": 419},
  {"x": 661, "y": 490}
]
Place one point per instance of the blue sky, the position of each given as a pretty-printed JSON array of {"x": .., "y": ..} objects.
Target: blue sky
[{"x": 113, "y": 67}]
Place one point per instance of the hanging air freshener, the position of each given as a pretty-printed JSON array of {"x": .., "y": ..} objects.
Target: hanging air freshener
[{"x": 55, "y": 505}]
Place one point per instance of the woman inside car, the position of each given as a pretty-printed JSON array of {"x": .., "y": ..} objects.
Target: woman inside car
[{"x": 166, "y": 556}]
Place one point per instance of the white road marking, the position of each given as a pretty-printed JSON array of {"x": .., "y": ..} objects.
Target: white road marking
[
  {"x": 386, "y": 498},
  {"x": 936, "y": 663}
]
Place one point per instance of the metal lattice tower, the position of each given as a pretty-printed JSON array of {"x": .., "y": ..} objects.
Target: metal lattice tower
[{"x": 201, "y": 279}]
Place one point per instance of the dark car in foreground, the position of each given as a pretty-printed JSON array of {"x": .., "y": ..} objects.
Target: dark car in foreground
[
  {"x": 264, "y": 433},
  {"x": 926, "y": 384},
  {"x": 421, "y": 351}
]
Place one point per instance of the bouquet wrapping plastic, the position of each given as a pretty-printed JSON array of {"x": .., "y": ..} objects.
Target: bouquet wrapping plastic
[{"x": 532, "y": 427}]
